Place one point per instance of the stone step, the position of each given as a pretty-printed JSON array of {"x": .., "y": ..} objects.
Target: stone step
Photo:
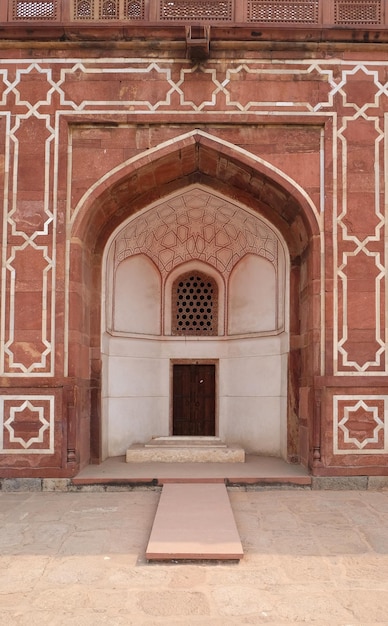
[
  {"x": 194, "y": 521},
  {"x": 184, "y": 442},
  {"x": 185, "y": 450}
]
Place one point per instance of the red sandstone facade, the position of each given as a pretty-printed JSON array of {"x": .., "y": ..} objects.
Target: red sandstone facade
[{"x": 101, "y": 117}]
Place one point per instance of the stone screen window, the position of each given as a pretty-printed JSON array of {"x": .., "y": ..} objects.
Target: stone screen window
[
  {"x": 34, "y": 9},
  {"x": 194, "y": 305}
]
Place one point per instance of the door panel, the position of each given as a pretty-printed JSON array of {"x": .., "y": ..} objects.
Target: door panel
[{"x": 194, "y": 400}]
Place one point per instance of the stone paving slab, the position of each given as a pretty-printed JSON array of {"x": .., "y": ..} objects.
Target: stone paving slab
[{"x": 317, "y": 558}]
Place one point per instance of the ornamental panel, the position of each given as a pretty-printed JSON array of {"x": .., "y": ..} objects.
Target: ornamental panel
[
  {"x": 194, "y": 305},
  {"x": 83, "y": 9},
  {"x": 108, "y": 9},
  {"x": 198, "y": 10},
  {"x": 356, "y": 12},
  {"x": 196, "y": 225},
  {"x": 360, "y": 424},
  {"x": 146, "y": 87},
  {"x": 42, "y": 10},
  {"x": 280, "y": 11},
  {"x": 27, "y": 424},
  {"x": 134, "y": 9},
  {"x": 359, "y": 289},
  {"x": 28, "y": 243}
]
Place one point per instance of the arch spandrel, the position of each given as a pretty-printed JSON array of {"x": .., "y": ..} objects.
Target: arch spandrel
[{"x": 196, "y": 157}]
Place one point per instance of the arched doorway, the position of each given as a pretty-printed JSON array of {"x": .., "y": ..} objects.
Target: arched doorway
[{"x": 247, "y": 183}]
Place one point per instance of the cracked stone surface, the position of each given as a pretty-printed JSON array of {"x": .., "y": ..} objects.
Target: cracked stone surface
[{"x": 310, "y": 558}]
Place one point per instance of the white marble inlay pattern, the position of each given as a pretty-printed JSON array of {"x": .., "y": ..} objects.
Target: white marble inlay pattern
[
  {"x": 346, "y": 407},
  {"x": 39, "y": 406},
  {"x": 57, "y": 74}
]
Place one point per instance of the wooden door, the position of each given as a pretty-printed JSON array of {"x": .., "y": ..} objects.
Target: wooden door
[{"x": 194, "y": 400}]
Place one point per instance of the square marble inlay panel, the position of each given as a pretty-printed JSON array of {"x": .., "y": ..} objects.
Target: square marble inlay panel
[
  {"x": 27, "y": 424},
  {"x": 360, "y": 424}
]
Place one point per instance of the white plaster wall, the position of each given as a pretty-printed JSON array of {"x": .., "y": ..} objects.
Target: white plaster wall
[
  {"x": 253, "y": 398},
  {"x": 251, "y": 389},
  {"x": 136, "y": 296},
  {"x": 136, "y": 400},
  {"x": 252, "y": 300}
]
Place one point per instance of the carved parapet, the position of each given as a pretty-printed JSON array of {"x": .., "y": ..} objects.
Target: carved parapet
[{"x": 346, "y": 13}]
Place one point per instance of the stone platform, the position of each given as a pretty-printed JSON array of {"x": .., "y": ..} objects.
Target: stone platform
[
  {"x": 262, "y": 471},
  {"x": 185, "y": 450}
]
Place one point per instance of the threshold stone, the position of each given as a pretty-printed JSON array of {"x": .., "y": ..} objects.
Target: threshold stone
[{"x": 185, "y": 450}]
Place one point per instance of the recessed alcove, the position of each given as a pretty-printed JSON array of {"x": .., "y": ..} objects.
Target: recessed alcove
[{"x": 196, "y": 233}]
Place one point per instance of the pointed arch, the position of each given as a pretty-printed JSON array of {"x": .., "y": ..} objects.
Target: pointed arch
[
  {"x": 198, "y": 157},
  {"x": 201, "y": 158}
]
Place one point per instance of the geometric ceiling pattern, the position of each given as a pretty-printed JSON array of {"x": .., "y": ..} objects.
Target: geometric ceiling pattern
[{"x": 196, "y": 225}]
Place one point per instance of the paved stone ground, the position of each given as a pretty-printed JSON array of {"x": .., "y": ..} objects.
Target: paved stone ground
[{"x": 78, "y": 559}]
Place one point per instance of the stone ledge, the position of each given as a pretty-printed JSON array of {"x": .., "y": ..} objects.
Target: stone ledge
[
  {"x": 340, "y": 483},
  {"x": 185, "y": 442},
  {"x": 56, "y": 484},
  {"x": 21, "y": 484},
  {"x": 377, "y": 483},
  {"x": 328, "y": 483}
]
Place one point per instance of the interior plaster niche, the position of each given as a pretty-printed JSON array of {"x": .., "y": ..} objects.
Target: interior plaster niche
[
  {"x": 137, "y": 295},
  {"x": 196, "y": 230},
  {"x": 252, "y": 301}
]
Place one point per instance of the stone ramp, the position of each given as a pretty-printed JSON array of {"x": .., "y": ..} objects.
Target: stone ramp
[{"x": 194, "y": 522}]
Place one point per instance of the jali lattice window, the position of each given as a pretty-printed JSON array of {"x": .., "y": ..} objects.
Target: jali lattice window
[
  {"x": 196, "y": 10},
  {"x": 108, "y": 9},
  {"x": 34, "y": 9},
  {"x": 357, "y": 12},
  {"x": 194, "y": 305},
  {"x": 287, "y": 11}
]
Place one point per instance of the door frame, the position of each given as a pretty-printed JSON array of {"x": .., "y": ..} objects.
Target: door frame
[{"x": 214, "y": 362}]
